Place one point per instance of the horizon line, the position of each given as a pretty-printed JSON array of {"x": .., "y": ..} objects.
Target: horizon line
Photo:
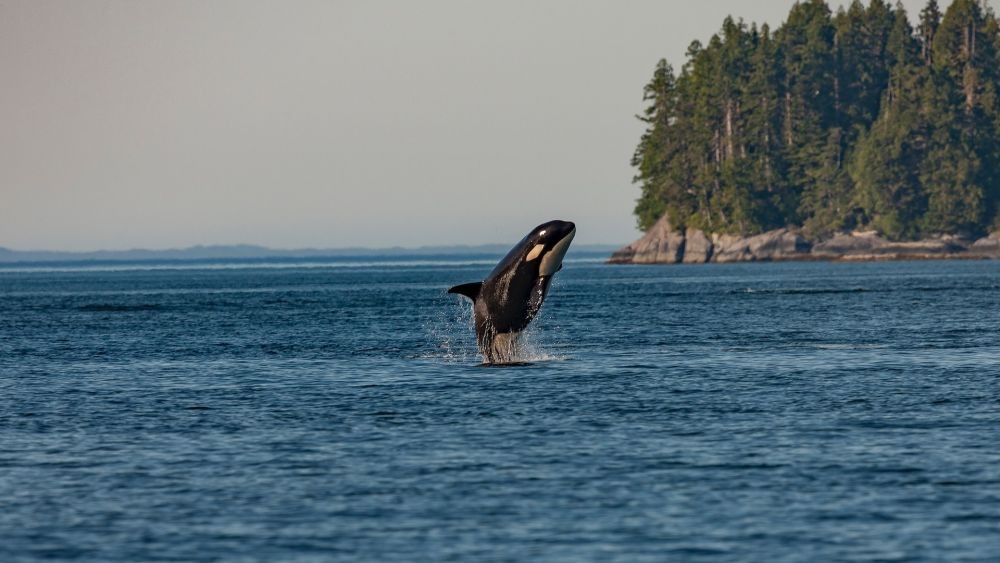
[
  {"x": 261, "y": 247},
  {"x": 228, "y": 252}
]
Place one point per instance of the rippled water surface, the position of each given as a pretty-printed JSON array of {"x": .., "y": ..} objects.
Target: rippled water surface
[{"x": 319, "y": 411}]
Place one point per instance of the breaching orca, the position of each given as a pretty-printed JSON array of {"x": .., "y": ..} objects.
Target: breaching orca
[{"x": 506, "y": 301}]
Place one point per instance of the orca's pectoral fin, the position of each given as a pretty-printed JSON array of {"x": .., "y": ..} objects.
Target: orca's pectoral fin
[{"x": 470, "y": 290}]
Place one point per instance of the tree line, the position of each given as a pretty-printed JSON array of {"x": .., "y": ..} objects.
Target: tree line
[{"x": 832, "y": 122}]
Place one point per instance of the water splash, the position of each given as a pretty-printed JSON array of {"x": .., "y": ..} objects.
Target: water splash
[
  {"x": 449, "y": 331},
  {"x": 530, "y": 348},
  {"x": 452, "y": 331}
]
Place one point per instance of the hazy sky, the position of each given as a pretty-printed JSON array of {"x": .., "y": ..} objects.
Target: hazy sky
[{"x": 162, "y": 124}]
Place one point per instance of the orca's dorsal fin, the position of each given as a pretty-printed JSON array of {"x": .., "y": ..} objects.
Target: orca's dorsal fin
[{"x": 470, "y": 290}]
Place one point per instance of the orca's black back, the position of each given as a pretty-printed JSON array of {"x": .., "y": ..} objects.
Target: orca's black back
[{"x": 510, "y": 302}]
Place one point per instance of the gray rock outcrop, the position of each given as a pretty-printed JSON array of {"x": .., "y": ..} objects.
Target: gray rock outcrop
[
  {"x": 986, "y": 247},
  {"x": 697, "y": 247},
  {"x": 660, "y": 245},
  {"x": 663, "y": 244},
  {"x": 731, "y": 248},
  {"x": 780, "y": 244},
  {"x": 870, "y": 245}
]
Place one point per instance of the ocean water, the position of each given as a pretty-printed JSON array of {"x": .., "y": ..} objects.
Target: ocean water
[{"x": 337, "y": 411}]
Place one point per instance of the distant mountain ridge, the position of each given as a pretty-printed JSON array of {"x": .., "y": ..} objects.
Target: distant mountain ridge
[{"x": 255, "y": 252}]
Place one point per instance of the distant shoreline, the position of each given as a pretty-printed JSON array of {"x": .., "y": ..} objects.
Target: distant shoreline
[{"x": 253, "y": 253}]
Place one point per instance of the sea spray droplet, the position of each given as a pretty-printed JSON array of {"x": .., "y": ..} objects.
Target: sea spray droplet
[{"x": 447, "y": 331}]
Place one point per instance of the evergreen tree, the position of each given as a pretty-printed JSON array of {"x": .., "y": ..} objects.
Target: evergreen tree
[
  {"x": 930, "y": 19},
  {"x": 958, "y": 173},
  {"x": 886, "y": 187},
  {"x": 861, "y": 39},
  {"x": 766, "y": 170},
  {"x": 806, "y": 54},
  {"x": 649, "y": 157}
]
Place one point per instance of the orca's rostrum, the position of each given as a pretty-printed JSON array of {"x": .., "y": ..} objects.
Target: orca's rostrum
[{"x": 512, "y": 294}]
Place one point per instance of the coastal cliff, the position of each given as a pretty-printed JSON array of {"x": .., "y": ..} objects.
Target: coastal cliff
[{"x": 662, "y": 244}]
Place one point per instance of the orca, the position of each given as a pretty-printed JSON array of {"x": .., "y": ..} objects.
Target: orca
[{"x": 512, "y": 294}]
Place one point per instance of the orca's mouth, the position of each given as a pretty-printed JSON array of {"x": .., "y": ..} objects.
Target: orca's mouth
[{"x": 552, "y": 262}]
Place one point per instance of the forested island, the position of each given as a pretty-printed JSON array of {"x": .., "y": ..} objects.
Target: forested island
[{"x": 835, "y": 126}]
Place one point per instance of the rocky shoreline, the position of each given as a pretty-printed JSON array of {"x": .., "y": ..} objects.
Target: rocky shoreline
[{"x": 664, "y": 245}]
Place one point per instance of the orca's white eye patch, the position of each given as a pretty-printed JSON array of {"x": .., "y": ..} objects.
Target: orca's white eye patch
[{"x": 535, "y": 252}]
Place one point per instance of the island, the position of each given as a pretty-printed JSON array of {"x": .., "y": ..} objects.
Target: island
[{"x": 854, "y": 135}]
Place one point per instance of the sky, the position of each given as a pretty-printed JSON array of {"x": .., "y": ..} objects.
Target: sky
[{"x": 143, "y": 124}]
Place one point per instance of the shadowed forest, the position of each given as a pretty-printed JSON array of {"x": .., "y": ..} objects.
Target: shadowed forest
[{"x": 857, "y": 119}]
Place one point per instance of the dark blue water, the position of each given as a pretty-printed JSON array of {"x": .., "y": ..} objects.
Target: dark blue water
[{"x": 761, "y": 412}]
